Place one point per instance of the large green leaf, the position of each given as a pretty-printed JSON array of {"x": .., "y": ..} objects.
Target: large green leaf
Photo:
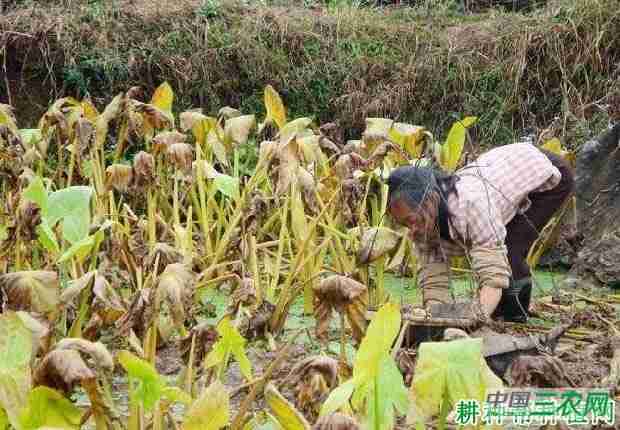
[
  {"x": 377, "y": 382},
  {"x": 48, "y": 408},
  {"x": 72, "y": 206},
  {"x": 387, "y": 392},
  {"x": 150, "y": 384},
  {"x": 455, "y": 369},
  {"x": 380, "y": 336},
  {"x": 15, "y": 374},
  {"x": 210, "y": 411}
]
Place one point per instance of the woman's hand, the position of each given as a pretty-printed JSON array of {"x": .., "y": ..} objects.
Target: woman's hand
[{"x": 489, "y": 299}]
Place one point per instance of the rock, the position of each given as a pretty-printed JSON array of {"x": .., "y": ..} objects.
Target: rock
[{"x": 598, "y": 205}]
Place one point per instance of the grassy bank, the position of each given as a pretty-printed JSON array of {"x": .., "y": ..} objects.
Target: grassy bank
[{"x": 342, "y": 63}]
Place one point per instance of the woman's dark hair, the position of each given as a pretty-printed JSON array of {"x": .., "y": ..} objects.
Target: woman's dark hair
[{"x": 413, "y": 184}]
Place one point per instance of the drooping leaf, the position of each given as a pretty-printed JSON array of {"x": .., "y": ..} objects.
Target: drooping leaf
[
  {"x": 35, "y": 290},
  {"x": 286, "y": 414},
  {"x": 150, "y": 384},
  {"x": 96, "y": 351},
  {"x": 107, "y": 302},
  {"x": 111, "y": 111},
  {"x": 119, "y": 177},
  {"x": 376, "y": 242},
  {"x": 210, "y": 411},
  {"x": 15, "y": 357},
  {"x": 47, "y": 408},
  {"x": 275, "y": 108},
  {"x": 200, "y": 124},
  {"x": 291, "y": 128},
  {"x": 238, "y": 129},
  {"x": 345, "y": 295},
  {"x": 181, "y": 155},
  {"x": 75, "y": 288},
  {"x": 176, "y": 285},
  {"x": 62, "y": 369}
]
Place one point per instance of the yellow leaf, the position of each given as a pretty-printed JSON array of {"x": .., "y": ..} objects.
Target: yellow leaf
[
  {"x": 410, "y": 137},
  {"x": 285, "y": 413},
  {"x": 468, "y": 121},
  {"x": 210, "y": 411},
  {"x": 163, "y": 97},
  {"x": 275, "y": 108},
  {"x": 89, "y": 110},
  {"x": 554, "y": 145}
]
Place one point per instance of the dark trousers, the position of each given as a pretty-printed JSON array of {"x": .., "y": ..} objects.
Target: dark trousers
[{"x": 523, "y": 230}]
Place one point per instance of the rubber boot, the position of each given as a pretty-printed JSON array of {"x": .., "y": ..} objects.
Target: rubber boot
[
  {"x": 510, "y": 307},
  {"x": 525, "y": 296}
]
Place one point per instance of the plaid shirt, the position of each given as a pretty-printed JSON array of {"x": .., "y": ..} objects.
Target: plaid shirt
[{"x": 490, "y": 192}]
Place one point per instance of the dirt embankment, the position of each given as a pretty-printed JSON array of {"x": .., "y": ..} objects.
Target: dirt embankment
[{"x": 514, "y": 70}]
